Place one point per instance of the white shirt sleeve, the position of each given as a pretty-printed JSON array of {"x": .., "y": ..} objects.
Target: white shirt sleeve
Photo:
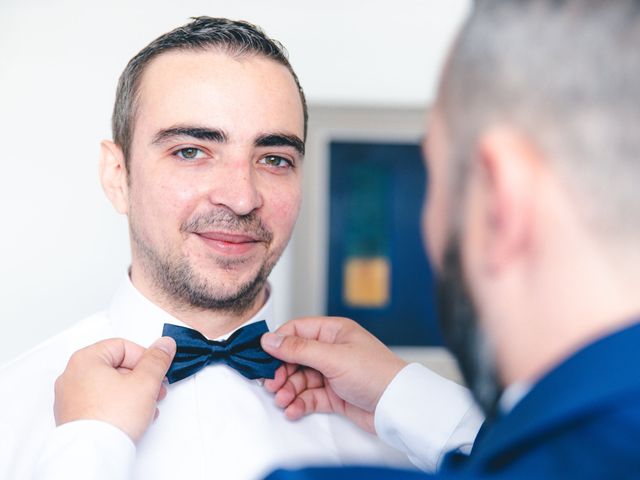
[
  {"x": 426, "y": 415},
  {"x": 87, "y": 449}
]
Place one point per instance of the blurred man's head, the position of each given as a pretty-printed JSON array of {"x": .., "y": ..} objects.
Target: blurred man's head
[
  {"x": 533, "y": 150},
  {"x": 209, "y": 126}
]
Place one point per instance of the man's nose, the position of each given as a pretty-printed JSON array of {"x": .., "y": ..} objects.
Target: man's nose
[{"x": 235, "y": 187}]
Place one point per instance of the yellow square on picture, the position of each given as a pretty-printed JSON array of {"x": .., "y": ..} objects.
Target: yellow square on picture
[{"x": 367, "y": 282}]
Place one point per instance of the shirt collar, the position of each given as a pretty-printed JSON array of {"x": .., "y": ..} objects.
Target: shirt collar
[
  {"x": 512, "y": 396},
  {"x": 136, "y": 318}
]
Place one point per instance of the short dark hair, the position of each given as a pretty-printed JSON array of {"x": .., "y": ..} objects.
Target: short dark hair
[
  {"x": 565, "y": 73},
  {"x": 236, "y": 38}
]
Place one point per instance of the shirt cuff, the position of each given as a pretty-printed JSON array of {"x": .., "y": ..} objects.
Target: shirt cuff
[
  {"x": 86, "y": 449},
  {"x": 426, "y": 415}
]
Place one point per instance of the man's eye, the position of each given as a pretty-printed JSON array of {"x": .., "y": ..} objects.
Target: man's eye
[
  {"x": 276, "y": 161},
  {"x": 189, "y": 153}
]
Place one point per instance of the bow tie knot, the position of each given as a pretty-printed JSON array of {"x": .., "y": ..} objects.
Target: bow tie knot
[
  {"x": 241, "y": 351},
  {"x": 213, "y": 354},
  {"x": 218, "y": 354}
]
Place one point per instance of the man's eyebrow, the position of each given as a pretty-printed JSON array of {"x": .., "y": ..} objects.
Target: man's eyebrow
[
  {"x": 280, "y": 140},
  {"x": 200, "y": 133}
]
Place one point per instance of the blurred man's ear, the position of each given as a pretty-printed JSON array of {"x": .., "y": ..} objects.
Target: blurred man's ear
[
  {"x": 510, "y": 170},
  {"x": 113, "y": 175}
]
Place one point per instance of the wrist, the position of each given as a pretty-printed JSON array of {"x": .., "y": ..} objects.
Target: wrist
[{"x": 394, "y": 367}]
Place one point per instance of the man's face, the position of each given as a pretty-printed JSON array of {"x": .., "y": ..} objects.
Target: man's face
[
  {"x": 447, "y": 234},
  {"x": 214, "y": 176}
]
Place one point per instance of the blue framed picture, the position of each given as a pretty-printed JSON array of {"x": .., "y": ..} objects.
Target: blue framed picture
[{"x": 378, "y": 272}]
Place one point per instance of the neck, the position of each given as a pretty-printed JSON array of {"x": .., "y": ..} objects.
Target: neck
[
  {"x": 561, "y": 311},
  {"x": 212, "y": 323}
]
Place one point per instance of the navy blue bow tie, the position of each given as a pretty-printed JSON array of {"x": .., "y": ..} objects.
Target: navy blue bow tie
[{"x": 241, "y": 351}]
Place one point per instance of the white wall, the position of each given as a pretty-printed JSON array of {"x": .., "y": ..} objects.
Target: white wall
[{"x": 62, "y": 248}]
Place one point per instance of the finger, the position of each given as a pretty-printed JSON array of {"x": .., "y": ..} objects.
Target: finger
[
  {"x": 282, "y": 373},
  {"x": 295, "y": 411},
  {"x": 302, "y": 351},
  {"x": 162, "y": 393},
  {"x": 308, "y": 402},
  {"x": 325, "y": 329},
  {"x": 291, "y": 368},
  {"x": 115, "y": 352},
  {"x": 278, "y": 380},
  {"x": 296, "y": 384},
  {"x": 155, "y": 362}
]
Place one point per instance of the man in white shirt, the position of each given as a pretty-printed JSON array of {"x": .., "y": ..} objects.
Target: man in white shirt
[
  {"x": 532, "y": 223},
  {"x": 209, "y": 126}
]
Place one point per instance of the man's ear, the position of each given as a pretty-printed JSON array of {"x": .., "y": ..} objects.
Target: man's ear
[
  {"x": 113, "y": 175},
  {"x": 510, "y": 170}
]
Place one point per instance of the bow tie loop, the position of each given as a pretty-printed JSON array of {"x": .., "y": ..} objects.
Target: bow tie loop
[{"x": 241, "y": 351}]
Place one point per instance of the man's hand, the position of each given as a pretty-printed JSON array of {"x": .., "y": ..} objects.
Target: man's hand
[
  {"x": 333, "y": 366},
  {"x": 115, "y": 381}
]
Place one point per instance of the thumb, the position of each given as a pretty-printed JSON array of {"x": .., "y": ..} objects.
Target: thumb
[
  {"x": 155, "y": 361},
  {"x": 302, "y": 351}
]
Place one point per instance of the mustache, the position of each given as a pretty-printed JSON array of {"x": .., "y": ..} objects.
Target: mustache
[{"x": 227, "y": 221}]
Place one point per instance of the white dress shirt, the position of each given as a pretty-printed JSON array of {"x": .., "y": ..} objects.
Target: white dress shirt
[
  {"x": 214, "y": 421},
  {"x": 215, "y": 424},
  {"x": 425, "y": 427},
  {"x": 512, "y": 396},
  {"x": 407, "y": 415},
  {"x": 426, "y": 416}
]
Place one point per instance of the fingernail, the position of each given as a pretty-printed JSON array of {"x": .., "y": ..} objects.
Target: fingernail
[
  {"x": 165, "y": 344},
  {"x": 272, "y": 340}
]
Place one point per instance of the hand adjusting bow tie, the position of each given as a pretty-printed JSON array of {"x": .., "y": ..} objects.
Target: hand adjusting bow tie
[{"x": 241, "y": 351}]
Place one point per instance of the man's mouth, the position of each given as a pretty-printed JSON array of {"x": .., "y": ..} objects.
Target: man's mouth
[{"x": 225, "y": 243}]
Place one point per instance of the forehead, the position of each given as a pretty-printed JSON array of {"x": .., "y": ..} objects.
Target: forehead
[{"x": 242, "y": 95}]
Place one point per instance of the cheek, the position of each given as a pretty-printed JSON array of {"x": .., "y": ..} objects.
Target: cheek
[
  {"x": 434, "y": 225},
  {"x": 281, "y": 209},
  {"x": 176, "y": 196},
  {"x": 164, "y": 202},
  {"x": 473, "y": 242}
]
